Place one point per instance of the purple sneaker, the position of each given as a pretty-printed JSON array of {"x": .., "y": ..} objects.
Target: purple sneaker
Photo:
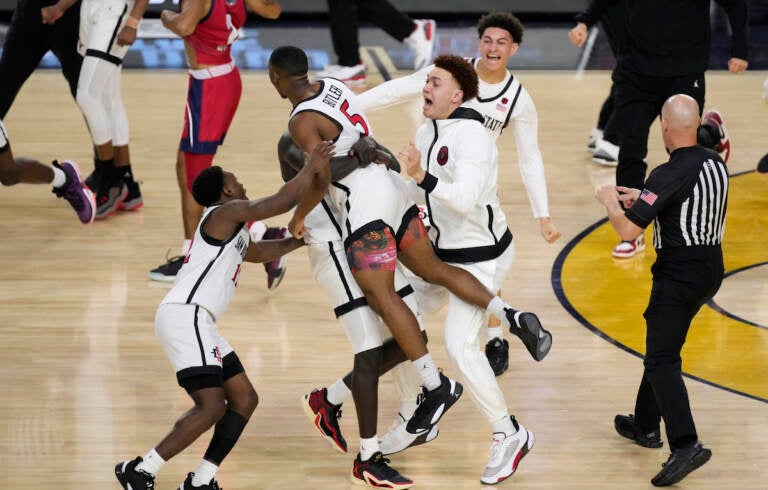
[
  {"x": 276, "y": 268},
  {"x": 76, "y": 192}
]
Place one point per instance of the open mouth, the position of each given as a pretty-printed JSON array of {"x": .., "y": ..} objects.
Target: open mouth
[{"x": 427, "y": 102}]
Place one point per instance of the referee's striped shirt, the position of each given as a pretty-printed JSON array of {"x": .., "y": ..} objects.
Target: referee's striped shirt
[{"x": 686, "y": 199}]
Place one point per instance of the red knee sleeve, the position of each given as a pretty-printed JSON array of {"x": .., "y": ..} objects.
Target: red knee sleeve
[{"x": 194, "y": 163}]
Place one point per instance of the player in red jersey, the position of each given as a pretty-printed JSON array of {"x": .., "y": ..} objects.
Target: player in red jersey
[{"x": 209, "y": 27}]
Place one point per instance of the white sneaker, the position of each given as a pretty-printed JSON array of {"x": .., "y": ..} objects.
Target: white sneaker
[
  {"x": 506, "y": 453},
  {"x": 595, "y": 136},
  {"x": 625, "y": 250},
  {"x": 422, "y": 42},
  {"x": 397, "y": 438},
  {"x": 352, "y": 76},
  {"x": 606, "y": 153}
]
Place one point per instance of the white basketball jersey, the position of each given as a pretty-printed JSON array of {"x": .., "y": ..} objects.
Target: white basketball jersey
[
  {"x": 337, "y": 102},
  {"x": 211, "y": 269},
  {"x": 496, "y": 102}
]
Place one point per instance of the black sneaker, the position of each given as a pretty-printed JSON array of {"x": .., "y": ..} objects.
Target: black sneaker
[
  {"x": 497, "y": 352},
  {"x": 434, "y": 406},
  {"x": 376, "y": 472},
  {"x": 133, "y": 199},
  {"x": 187, "y": 485},
  {"x": 167, "y": 272},
  {"x": 131, "y": 479},
  {"x": 762, "y": 165},
  {"x": 109, "y": 196},
  {"x": 528, "y": 327},
  {"x": 626, "y": 427},
  {"x": 93, "y": 181},
  {"x": 680, "y": 463}
]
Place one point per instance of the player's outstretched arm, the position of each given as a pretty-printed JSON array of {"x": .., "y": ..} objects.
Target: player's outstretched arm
[
  {"x": 268, "y": 9},
  {"x": 268, "y": 250}
]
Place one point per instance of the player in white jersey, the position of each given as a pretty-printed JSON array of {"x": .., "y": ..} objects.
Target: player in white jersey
[
  {"x": 504, "y": 103},
  {"x": 373, "y": 247},
  {"x": 454, "y": 166},
  {"x": 206, "y": 366},
  {"x": 107, "y": 29},
  {"x": 65, "y": 178}
]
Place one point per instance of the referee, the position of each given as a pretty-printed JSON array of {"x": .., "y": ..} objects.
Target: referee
[
  {"x": 686, "y": 199},
  {"x": 28, "y": 40}
]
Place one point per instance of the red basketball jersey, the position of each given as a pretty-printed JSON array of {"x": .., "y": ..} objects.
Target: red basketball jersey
[{"x": 214, "y": 35}]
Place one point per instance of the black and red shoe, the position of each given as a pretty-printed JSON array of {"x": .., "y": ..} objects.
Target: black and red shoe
[
  {"x": 377, "y": 473},
  {"x": 325, "y": 416}
]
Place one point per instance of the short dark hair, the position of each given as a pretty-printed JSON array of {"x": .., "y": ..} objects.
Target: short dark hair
[
  {"x": 502, "y": 20},
  {"x": 206, "y": 189},
  {"x": 290, "y": 60},
  {"x": 462, "y": 70}
]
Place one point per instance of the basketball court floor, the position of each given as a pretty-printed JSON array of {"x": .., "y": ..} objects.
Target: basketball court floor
[{"x": 86, "y": 384}]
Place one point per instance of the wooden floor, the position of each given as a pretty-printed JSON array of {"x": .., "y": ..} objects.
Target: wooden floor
[{"x": 85, "y": 384}]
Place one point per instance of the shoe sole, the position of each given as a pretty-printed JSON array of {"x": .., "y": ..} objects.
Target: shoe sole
[
  {"x": 131, "y": 205},
  {"x": 111, "y": 210},
  {"x": 698, "y": 460},
  {"x": 428, "y": 436},
  {"x": 627, "y": 255},
  {"x": 536, "y": 339},
  {"x": 156, "y": 276},
  {"x": 525, "y": 450},
  {"x": 315, "y": 419},
  {"x": 605, "y": 162},
  {"x": 362, "y": 483},
  {"x": 279, "y": 278}
]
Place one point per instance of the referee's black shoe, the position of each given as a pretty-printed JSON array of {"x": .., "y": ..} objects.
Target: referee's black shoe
[
  {"x": 627, "y": 427},
  {"x": 528, "y": 327},
  {"x": 680, "y": 463},
  {"x": 497, "y": 352}
]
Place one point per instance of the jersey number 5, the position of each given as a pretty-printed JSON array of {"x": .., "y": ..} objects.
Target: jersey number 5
[{"x": 355, "y": 119}]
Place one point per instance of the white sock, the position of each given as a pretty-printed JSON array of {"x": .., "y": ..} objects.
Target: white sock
[
  {"x": 151, "y": 463},
  {"x": 494, "y": 333},
  {"x": 497, "y": 308},
  {"x": 59, "y": 177},
  {"x": 368, "y": 447},
  {"x": 205, "y": 472},
  {"x": 504, "y": 425},
  {"x": 430, "y": 376},
  {"x": 185, "y": 247},
  {"x": 338, "y": 392}
]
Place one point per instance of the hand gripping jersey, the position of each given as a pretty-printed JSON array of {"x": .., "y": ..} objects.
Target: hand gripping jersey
[
  {"x": 211, "y": 269},
  {"x": 213, "y": 37},
  {"x": 367, "y": 194}
]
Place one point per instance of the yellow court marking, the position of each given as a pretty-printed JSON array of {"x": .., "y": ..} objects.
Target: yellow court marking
[{"x": 609, "y": 295}]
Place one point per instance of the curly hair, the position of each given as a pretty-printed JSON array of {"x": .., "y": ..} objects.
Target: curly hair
[
  {"x": 502, "y": 20},
  {"x": 206, "y": 189},
  {"x": 462, "y": 71}
]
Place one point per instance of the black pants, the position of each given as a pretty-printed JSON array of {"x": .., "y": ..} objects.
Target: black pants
[
  {"x": 607, "y": 120},
  {"x": 26, "y": 43},
  {"x": 639, "y": 99},
  {"x": 344, "y": 15},
  {"x": 680, "y": 287}
]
